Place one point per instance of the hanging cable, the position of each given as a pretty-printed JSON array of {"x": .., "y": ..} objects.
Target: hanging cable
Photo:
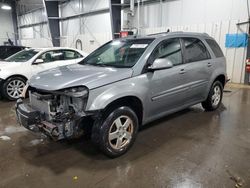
[{"x": 79, "y": 42}]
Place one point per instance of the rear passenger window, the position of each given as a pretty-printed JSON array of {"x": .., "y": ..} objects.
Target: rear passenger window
[
  {"x": 69, "y": 54},
  {"x": 215, "y": 48},
  {"x": 195, "y": 50}
]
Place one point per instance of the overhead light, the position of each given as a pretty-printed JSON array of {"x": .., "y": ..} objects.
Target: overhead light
[{"x": 6, "y": 7}]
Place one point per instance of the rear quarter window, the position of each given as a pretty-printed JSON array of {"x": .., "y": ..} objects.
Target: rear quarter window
[{"x": 215, "y": 48}]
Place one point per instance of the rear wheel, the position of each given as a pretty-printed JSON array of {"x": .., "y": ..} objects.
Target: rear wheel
[
  {"x": 115, "y": 133},
  {"x": 13, "y": 88},
  {"x": 214, "y": 98}
]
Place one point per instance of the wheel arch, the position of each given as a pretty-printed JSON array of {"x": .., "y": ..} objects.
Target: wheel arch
[
  {"x": 131, "y": 101},
  {"x": 217, "y": 77},
  {"x": 221, "y": 78},
  {"x": 17, "y": 75}
]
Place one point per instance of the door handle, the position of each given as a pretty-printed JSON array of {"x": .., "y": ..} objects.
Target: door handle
[
  {"x": 209, "y": 64},
  {"x": 182, "y": 71}
]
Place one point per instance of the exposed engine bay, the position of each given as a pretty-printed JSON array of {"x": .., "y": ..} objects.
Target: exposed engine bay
[{"x": 58, "y": 114}]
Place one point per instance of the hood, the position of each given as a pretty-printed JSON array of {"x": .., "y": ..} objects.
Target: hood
[
  {"x": 7, "y": 63},
  {"x": 78, "y": 75}
]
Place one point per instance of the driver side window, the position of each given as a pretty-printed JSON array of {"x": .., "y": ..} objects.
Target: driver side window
[
  {"x": 47, "y": 56},
  {"x": 169, "y": 49}
]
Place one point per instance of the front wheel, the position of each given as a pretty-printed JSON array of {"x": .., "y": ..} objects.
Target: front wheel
[
  {"x": 116, "y": 133},
  {"x": 13, "y": 88},
  {"x": 214, "y": 98}
]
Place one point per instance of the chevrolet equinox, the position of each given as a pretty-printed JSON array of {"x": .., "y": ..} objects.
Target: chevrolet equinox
[{"x": 123, "y": 85}]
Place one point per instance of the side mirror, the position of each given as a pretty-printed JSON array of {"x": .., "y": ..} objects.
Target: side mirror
[
  {"x": 161, "y": 63},
  {"x": 38, "y": 61}
]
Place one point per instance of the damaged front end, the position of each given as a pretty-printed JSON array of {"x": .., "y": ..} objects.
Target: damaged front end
[{"x": 58, "y": 114}]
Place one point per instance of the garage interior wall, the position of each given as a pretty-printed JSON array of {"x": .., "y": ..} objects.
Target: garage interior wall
[
  {"x": 215, "y": 17},
  {"x": 92, "y": 30},
  {"x": 6, "y": 26},
  {"x": 33, "y": 29}
]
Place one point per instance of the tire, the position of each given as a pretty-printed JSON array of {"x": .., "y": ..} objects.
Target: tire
[
  {"x": 214, "y": 98},
  {"x": 112, "y": 135},
  {"x": 15, "y": 85}
]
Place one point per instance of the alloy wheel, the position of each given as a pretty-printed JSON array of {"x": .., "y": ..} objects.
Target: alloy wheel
[
  {"x": 216, "y": 97},
  {"x": 15, "y": 88},
  {"x": 120, "y": 132}
]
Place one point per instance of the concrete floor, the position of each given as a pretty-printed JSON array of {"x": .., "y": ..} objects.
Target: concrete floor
[{"x": 188, "y": 149}]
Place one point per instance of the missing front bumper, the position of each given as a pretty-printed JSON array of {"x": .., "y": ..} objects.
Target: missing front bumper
[
  {"x": 27, "y": 117},
  {"x": 35, "y": 121}
]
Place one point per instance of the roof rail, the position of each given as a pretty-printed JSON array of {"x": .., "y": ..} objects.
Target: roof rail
[
  {"x": 206, "y": 34},
  {"x": 161, "y": 33}
]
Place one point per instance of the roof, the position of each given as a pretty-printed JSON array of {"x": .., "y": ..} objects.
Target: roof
[
  {"x": 54, "y": 48},
  {"x": 165, "y": 34},
  {"x": 61, "y": 48}
]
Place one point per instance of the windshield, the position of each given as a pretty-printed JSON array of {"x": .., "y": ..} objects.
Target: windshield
[
  {"x": 22, "y": 56},
  {"x": 118, "y": 53}
]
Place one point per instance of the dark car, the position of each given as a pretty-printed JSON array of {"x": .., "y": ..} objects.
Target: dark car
[{"x": 7, "y": 51}]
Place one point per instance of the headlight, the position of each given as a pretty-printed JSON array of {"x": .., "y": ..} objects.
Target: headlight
[{"x": 76, "y": 92}]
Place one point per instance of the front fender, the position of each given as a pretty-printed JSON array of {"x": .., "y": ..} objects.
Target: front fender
[
  {"x": 4, "y": 74},
  {"x": 99, "y": 98}
]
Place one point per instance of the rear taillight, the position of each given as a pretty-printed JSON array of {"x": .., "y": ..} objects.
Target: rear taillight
[
  {"x": 248, "y": 68},
  {"x": 248, "y": 65}
]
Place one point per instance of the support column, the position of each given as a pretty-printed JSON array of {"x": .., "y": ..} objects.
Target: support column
[
  {"x": 52, "y": 10},
  {"x": 14, "y": 20},
  {"x": 115, "y": 13}
]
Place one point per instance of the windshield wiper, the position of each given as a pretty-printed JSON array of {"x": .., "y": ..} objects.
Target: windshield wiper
[
  {"x": 101, "y": 65},
  {"x": 97, "y": 65},
  {"x": 106, "y": 65}
]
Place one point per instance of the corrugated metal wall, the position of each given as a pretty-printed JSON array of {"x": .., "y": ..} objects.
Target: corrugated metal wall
[
  {"x": 92, "y": 30},
  {"x": 188, "y": 12},
  {"x": 37, "y": 35}
]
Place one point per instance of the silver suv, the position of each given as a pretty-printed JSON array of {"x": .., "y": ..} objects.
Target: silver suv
[{"x": 123, "y": 85}]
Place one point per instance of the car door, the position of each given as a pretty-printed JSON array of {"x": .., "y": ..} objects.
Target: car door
[
  {"x": 69, "y": 57},
  {"x": 198, "y": 68},
  {"x": 50, "y": 60},
  {"x": 168, "y": 87}
]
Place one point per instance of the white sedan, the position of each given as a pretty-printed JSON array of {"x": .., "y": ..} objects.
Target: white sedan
[{"x": 18, "y": 68}]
